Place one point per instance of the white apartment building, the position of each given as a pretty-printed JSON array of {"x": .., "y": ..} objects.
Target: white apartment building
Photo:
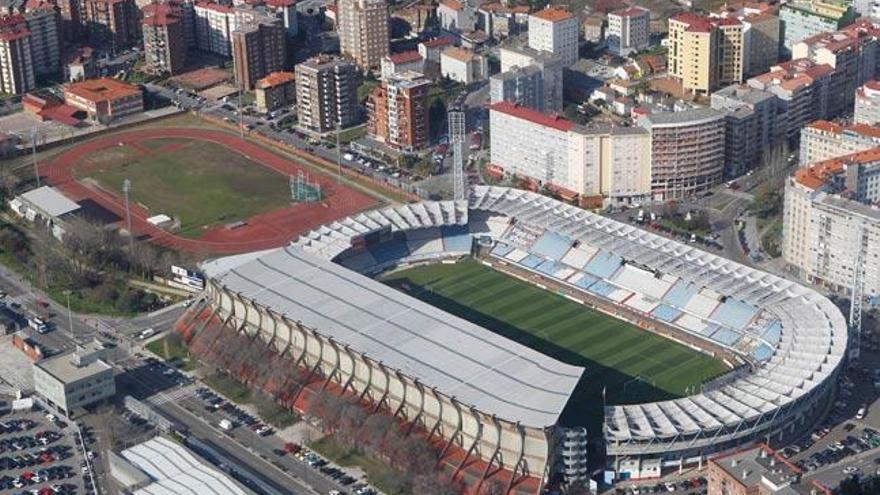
[
  {"x": 628, "y": 30},
  {"x": 550, "y": 66},
  {"x": 463, "y": 65},
  {"x": 555, "y": 30},
  {"x": 611, "y": 165},
  {"x": 16, "y": 64},
  {"x": 822, "y": 140},
  {"x": 822, "y": 228},
  {"x": 214, "y": 26},
  {"x": 867, "y": 105},
  {"x": 456, "y": 16}
]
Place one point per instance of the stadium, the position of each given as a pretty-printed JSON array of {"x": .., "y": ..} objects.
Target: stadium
[{"x": 493, "y": 399}]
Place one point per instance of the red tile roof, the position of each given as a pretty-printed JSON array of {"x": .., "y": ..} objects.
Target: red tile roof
[
  {"x": 275, "y": 79},
  {"x": 817, "y": 174},
  {"x": 405, "y": 57},
  {"x": 438, "y": 42},
  {"x": 216, "y": 7},
  {"x": 524, "y": 113},
  {"x": 103, "y": 89},
  {"x": 452, "y": 4},
  {"x": 553, "y": 14},
  {"x": 159, "y": 14}
]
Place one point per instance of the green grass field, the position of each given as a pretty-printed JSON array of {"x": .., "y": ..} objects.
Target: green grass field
[
  {"x": 201, "y": 183},
  {"x": 634, "y": 365}
]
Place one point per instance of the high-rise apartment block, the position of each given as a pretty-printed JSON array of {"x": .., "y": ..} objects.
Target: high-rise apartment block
[
  {"x": 802, "y": 19},
  {"x": 761, "y": 32},
  {"x": 802, "y": 87},
  {"x": 397, "y": 112},
  {"x": 363, "y": 31},
  {"x": 16, "y": 65},
  {"x": 596, "y": 164},
  {"x": 113, "y": 23},
  {"x": 867, "y": 104},
  {"x": 822, "y": 140},
  {"x": 164, "y": 42},
  {"x": 754, "y": 123},
  {"x": 523, "y": 86},
  {"x": 72, "y": 17},
  {"x": 555, "y": 30},
  {"x": 628, "y": 30},
  {"x": 829, "y": 218},
  {"x": 214, "y": 24},
  {"x": 326, "y": 93},
  {"x": 515, "y": 55},
  {"x": 44, "y": 24},
  {"x": 687, "y": 151},
  {"x": 705, "y": 53},
  {"x": 259, "y": 48},
  {"x": 852, "y": 52}
]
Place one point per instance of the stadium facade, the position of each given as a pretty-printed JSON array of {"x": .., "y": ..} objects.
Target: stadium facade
[{"x": 499, "y": 401}]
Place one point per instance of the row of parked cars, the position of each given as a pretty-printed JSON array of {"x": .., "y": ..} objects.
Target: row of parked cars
[
  {"x": 314, "y": 460},
  {"x": 234, "y": 415},
  {"x": 869, "y": 438},
  {"x": 691, "y": 485}
]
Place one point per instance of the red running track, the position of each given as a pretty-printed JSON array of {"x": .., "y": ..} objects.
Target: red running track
[{"x": 263, "y": 231}]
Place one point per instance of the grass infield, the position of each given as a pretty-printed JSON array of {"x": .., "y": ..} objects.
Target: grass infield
[
  {"x": 634, "y": 365},
  {"x": 201, "y": 183}
]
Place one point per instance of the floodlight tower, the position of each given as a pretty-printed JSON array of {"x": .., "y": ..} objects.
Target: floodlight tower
[
  {"x": 857, "y": 293},
  {"x": 456, "y": 131},
  {"x": 34, "y": 154},
  {"x": 126, "y": 189}
]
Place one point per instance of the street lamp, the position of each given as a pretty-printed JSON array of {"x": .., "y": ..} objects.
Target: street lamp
[{"x": 69, "y": 314}]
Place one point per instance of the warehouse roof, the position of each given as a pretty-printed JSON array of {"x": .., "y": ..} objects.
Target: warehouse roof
[
  {"x": 177, "y": 471},
  {"x": 49, "y": 201},
  {"x": 462, "y": 360}
]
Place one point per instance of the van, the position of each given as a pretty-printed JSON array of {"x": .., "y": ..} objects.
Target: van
[
  {"x": 147, "y": 333},
  {"x": 225, "y": 424},
  {"x": 860, "y": 414}
]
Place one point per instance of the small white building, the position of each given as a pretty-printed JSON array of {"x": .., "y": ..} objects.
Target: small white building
[
  {"x": 45, "y": 204},
  {"x": 464, "y": 66},
  {"x": 402, "y": 62},
  {"x": 70, "y": 382},
  {"x": 456, "y": 16},
  {"x": 867, "y": 107}
]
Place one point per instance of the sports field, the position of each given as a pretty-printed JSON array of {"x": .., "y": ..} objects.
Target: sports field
[
  {"x": 634, "y": 365},
  {"x": 201, "y": 183}
]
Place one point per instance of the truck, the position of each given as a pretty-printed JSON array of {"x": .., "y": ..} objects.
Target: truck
[
  {"x": 225, "y": 424},
  {"x": 38, "y": 324}
]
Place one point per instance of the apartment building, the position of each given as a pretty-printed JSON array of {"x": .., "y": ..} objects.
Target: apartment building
[
  {"x": 802, "y": 19},
  {"x": 598, "y": 165},
  {"x": 164, "y": 41},
  {"x": 259, "y": 48},
  {"x": 463, "y": 65},
  {"x": 72, "y": 17},
  {"x": 822, "y": 140},
  {"x": 758, "y": 471},
  {"x": 802, "y": 87},
  {"x": 867, "y": 104},
  {"x": 113, "y": 23},
  {"x": 80, "y": 63},
  {"x": 523, "y": 86},
  {"x": 277, "y": 90},
  {"x": 397, "y": 112},
  {"x": 705, "y": 53},
  {"x": 828, "y": 215},
  {"x": 456, "y": 16},
  {"x": 16, "y": 65},
  {"x": 501, "y": 21},
  {"x": 44, "y": 23},
  {"x": 514, "y": 55},
  {"x": 364, "y": 31},
  {"x": 214, "y": 24},
  {"x": 326, "y": 93},
  {"x": 753, "y": 124},
  {"x": 104, "y": 100},
  {"x": 286, "y": 11},
  {"x": 555, "y": 30},
  {"x": 761, "y": 32},
  {"x": 687, "y": 151},
  {"x": 628, "y": 30},
  {"x": 852, "y": 52}
]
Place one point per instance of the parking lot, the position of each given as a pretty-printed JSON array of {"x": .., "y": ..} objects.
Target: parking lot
[{"x": 41, "y": 454}]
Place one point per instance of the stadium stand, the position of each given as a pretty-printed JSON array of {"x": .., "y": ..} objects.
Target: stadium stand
[{"x": 790, "y": 339}]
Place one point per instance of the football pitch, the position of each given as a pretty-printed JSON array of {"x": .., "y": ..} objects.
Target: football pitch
[
  {"x": 633, "y": 365},
  {"x": 203, "y": 184}
]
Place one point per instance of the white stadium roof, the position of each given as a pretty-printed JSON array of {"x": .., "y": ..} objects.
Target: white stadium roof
[{"x": 462, "y": 360}]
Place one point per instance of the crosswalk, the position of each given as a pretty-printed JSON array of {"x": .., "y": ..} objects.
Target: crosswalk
[{"x": 174, "y": 395}]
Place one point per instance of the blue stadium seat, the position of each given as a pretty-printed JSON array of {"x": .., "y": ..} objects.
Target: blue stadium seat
[
  {"x": 456, "y": 238},
  {"x": 601, "y": 288},
  {"x": 665, "y": 313},
  {"x": 726, "y": 337},
  {"x": 604, "y": 264},
  {"x": 531, "y": 261},
  {"x": 773, "y": 333},
  {"x": 763, "y": 352},
  {"x": 552, "y": 245},
  {"x": 389, "y": 251},
  {"x": 586, "y": 281},
  {"x": 501, "y": 250},
  {"x": 680, "y": 293},
  {"x": 548, "y": 267},
  {"x": 733, "y": 313}
]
